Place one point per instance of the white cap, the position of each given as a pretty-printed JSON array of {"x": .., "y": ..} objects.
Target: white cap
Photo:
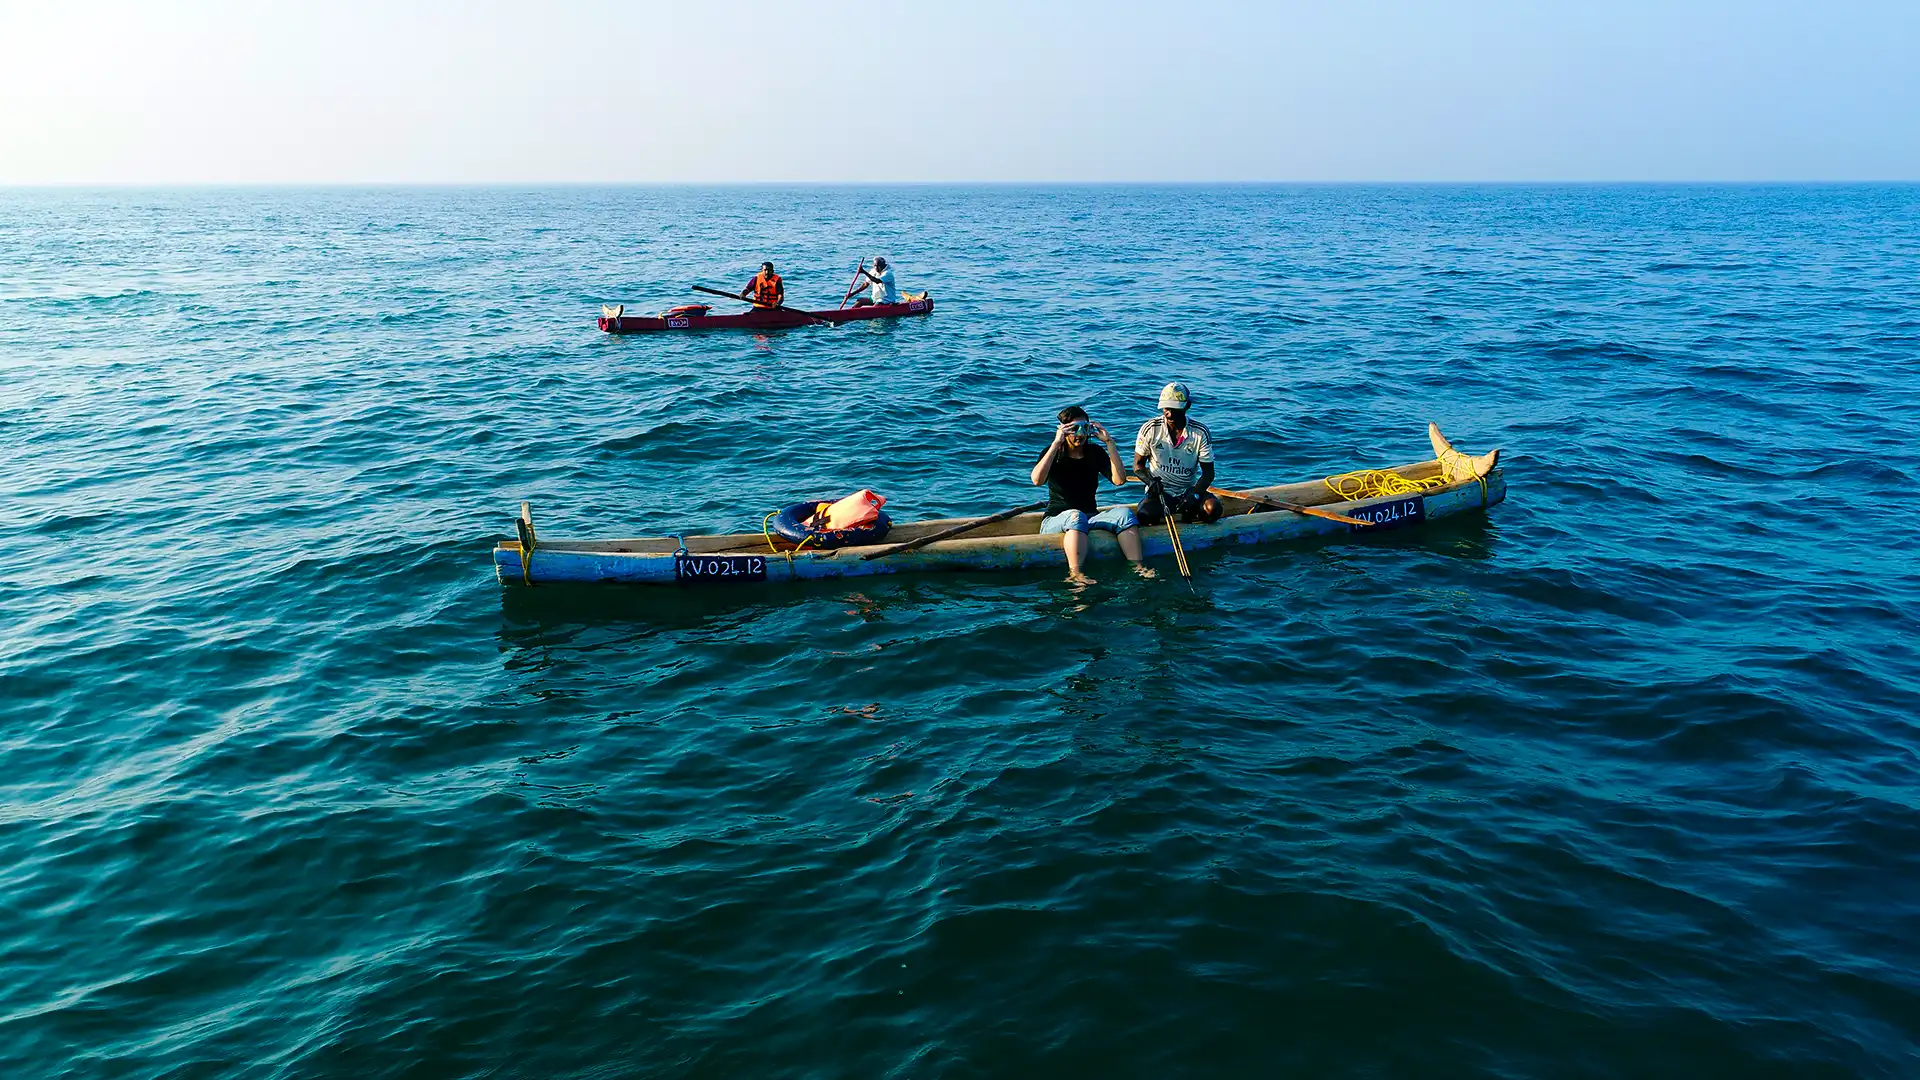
[{"x": 1175, "y": 396}]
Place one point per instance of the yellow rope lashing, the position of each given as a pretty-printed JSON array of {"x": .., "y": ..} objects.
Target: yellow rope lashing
[{"x": 770, "y": 545}]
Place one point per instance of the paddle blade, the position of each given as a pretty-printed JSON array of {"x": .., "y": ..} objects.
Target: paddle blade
[{"x": 1331, "y": 516}]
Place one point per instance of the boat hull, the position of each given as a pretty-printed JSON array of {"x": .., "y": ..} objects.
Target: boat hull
[
  {"x": 744, "y": 560},
  {"x": 760, "y": 318}
]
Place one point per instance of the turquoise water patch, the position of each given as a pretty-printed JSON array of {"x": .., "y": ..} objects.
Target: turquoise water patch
[{"x": 1616, "y": 779}]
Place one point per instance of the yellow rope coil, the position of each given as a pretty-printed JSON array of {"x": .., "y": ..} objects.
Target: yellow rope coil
[{"x": 1378, "y": 483}]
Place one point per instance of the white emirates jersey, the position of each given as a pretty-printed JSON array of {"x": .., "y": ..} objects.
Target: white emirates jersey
[{"x": 1178, "y": 467}]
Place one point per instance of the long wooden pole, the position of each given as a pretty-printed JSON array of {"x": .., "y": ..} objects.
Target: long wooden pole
[
  {"x": 857, "y": 271},
  {"x": 955, "y": 530},
  {"x": 756, "y": 303},
  {"x": 1173, "y": 533},
  {"x": 1179, "y": 552},
  {"x": 1282, "y": 504}
]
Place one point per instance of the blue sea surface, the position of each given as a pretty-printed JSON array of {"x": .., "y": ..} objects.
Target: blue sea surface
[{"x": 1620, "y": 778}]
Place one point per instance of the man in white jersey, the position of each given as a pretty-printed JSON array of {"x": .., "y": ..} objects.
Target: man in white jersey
[
  {"x": 1174, "y": 455},
  {"x": 884, "y": 291}
]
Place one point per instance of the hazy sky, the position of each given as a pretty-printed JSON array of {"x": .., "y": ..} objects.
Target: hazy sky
[{"x": 266, "y": 92}]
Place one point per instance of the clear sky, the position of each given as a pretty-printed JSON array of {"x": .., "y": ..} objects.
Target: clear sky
[{"x": 201, "y": 91}]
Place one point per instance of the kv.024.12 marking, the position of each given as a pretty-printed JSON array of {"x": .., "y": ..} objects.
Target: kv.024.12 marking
[
  {"x": 719, "y": 569},
  {"x": 1390, "y": 514}
]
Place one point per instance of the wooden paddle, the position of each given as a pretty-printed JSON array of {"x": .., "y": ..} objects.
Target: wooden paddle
[
  {"x": 1173, "y": 531},
  {"x": 756, "y": 303},
  {"x": 1179, "y": 553},
  {"x": 1282, "y": 504},
  {"x": 956, "y": 530},
  {"x": 855, "y": 287}
]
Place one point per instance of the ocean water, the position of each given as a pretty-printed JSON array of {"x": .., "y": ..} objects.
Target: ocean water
[{"x": 1619, "y": 779}]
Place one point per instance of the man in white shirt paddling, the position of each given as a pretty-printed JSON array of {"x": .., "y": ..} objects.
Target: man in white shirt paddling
[
  {"x": 884, "y": 291},
  {"x": 1174, "y": 455}
]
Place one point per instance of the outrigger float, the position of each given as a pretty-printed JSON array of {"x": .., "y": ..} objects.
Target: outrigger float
[{"x": 1447, "y": 484}]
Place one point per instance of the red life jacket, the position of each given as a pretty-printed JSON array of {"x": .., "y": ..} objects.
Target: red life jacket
[{"x": 767, "y": 289}]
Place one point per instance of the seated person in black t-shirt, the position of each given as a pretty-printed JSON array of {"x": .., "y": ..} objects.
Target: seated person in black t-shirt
[{"x": 1072, "y": 470}]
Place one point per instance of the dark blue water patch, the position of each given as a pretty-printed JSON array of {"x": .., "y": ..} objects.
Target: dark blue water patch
[{"x": 1725, "y": 268}]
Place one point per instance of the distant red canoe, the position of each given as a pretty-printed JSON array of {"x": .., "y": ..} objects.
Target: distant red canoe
[{"x": 759, "y": 318}]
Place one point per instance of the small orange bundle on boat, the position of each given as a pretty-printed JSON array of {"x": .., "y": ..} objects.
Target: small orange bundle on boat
[
  {"x": 856, "y": 519},
  {"x": 860, "y": 508}
]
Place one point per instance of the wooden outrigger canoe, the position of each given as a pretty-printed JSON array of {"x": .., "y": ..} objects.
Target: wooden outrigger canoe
[
  {"x": 1468, "y": 484},
  {"x": 614, "y": 320}
]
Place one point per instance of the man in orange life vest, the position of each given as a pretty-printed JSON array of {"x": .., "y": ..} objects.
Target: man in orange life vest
[{"x": 766, "y": 289}]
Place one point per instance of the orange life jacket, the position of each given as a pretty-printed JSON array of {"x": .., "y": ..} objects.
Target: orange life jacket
[
  {"x": 860, "y": 508},
  {"x": 767, "y": 289}
]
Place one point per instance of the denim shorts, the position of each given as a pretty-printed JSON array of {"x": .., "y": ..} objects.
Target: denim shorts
[{"x": 1114, "y": 519}]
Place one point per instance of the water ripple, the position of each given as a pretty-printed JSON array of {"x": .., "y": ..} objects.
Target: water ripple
[{"x": 1615, "y": 781}]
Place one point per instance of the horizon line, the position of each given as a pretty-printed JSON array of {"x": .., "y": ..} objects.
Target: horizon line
[{"x": 258, "y": 184}]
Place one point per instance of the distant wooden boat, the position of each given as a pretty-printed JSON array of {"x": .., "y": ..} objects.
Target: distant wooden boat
[
  {"x": 615, "y": 320},
  {"x": 1459, "y": 484}
]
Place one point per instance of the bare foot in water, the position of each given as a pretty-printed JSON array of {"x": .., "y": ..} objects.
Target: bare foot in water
[
  {"x": 1079, "y": 578},
  {"x": 1144, "y": 571}
]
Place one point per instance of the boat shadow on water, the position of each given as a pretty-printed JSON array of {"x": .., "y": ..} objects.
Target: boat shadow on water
[
  {"x": 532, "y": 612},
  {"x": 1465, "y": 536}
]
